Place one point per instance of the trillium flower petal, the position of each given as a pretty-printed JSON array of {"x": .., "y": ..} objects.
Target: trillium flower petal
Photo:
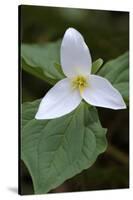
[
  {"x": 101, "y": 93},
  {"x": 75, "y": 55},
  {"x": 60, "y": 100}
]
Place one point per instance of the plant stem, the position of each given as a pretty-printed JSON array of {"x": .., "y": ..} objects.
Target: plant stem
[{"x": 117, "y": 154}]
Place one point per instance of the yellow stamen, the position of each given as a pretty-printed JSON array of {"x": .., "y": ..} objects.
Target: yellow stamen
[{"x": 80, "y": 82}]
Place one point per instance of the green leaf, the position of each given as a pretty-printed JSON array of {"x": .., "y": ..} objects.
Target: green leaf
[
  {"x": 59, "y": 68},
  {"x": 42, "y": 60},
  {"x": 56, "y": 150},
  {"x": 117, "y": 72},
  {"x": 96, "y": 65}
]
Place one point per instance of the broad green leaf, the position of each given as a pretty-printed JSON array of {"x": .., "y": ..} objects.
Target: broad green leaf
[
  {"x": 59, "y": 68},
  {"x": 42, "y": 60},
  {"x": 56, "y": 150},
  {"x": 117, "y": 72},
  {"x": 96, "y": 65}
]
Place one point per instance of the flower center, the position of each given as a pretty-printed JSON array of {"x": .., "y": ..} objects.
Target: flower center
[{"x": 80, "y": 82}]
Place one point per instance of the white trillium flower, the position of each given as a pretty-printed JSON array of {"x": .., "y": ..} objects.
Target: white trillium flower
[{"x": 79, "y": 83}]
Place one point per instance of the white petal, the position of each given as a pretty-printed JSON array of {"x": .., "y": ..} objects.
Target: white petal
[
  {"x": 60, "y": 100},
  {"x": 75, "y": 55},
  {"x": 101, "y": 93}
]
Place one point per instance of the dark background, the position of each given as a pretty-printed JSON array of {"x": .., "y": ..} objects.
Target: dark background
[{"x": 107, "y": 34}]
